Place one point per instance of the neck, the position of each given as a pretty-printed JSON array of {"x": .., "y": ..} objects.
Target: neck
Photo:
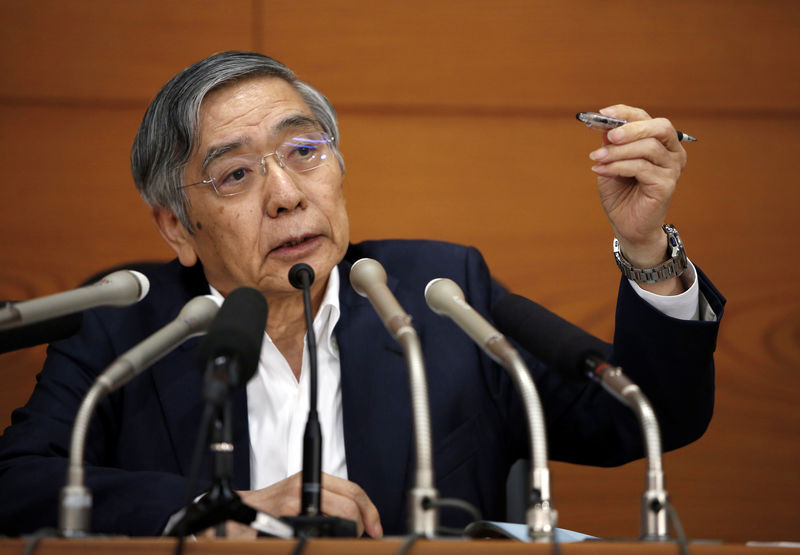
[{"x": 286, "y": 324}]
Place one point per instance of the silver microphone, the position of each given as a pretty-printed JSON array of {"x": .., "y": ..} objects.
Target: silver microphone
[
  {"x": 76, "y": 501},
  {"x": 120, "y": 288},
  {"x": 368, "y": 278},
  {"x": 446, "y": 298}
]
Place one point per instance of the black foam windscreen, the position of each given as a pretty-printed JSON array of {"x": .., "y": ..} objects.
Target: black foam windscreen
[
  {"x": 301, "y": 275},
  {"x": 237, "y": 332},
  {"x": 40, "y": 332},
  {"x": 561, "y": 345}
]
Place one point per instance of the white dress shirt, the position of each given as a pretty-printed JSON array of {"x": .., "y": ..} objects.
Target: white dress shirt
[{"x": 277, "y": 402}]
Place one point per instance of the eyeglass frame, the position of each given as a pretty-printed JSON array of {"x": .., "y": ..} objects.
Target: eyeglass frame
[{"x": 327, "y": 139}]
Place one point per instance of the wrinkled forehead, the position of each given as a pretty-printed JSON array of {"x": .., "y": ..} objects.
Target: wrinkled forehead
[
  {"x": 249, "y": 111},
  {"x": 249, "y": 101}
]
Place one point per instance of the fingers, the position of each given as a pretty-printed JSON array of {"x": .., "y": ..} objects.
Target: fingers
[
  {"x": 342, "y": 497},
  {"x": 659, "y": 128},
  {"x": 649, "y": 149},
  {"x": 640, "y": 125},
  {"x": 279, "y": 499},
  {"x": 647, "y": 160},
  {"x": 628, "y": 113},
  {"x": 642, "y": 171},
  {"x": 646, "y": 149},
  {"x": 233, "y": 531}
]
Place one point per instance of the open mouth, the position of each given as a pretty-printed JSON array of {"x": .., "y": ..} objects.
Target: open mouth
[{"x": 295, "y": 244}]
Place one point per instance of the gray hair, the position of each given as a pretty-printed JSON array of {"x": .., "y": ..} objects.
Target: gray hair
[{"x": 169, "y": 130}]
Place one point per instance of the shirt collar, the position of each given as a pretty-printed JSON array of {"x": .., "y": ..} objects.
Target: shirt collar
[{"x": 328, "y": 314}]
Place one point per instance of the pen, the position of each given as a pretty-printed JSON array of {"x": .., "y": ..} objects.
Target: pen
[{"x": 599, "y": 121}]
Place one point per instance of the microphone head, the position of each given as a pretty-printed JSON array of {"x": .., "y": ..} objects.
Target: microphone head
[
  {"x": 561, "y": 345},
  {"x": 129, "y": 287},
  {"x": 440, "y": 293},
  {"x": 365, "y": 272},
  {"x": 301, "y": 275},
  {"x": 199, "y": 312},
  {"x": 237, "y": 332}
]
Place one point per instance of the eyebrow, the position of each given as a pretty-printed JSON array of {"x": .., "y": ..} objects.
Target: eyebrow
[
  {"x": 298, "y": 121},
  {"x": 216, "y": 151}
]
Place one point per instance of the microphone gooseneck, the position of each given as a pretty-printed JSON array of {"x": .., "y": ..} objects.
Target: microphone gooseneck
[
  {"x": 368, "y": 279},
  {"x": 75, "y": 499},
  {"x": 578, "y": 355},
  {"x": 446, "y": 298}
]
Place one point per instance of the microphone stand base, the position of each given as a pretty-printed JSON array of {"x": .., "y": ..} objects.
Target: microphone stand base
[
  {"x": 221, "y": 503},
  {"x": 321, "y": 526}
]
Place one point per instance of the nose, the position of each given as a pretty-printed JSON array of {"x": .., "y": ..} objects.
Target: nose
[{"x": 282, "y": 192}]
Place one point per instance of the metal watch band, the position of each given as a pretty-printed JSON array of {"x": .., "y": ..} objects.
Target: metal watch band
[{"x": 674, "y": 266}]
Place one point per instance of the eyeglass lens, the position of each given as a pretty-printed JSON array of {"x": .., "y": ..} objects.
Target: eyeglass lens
[{"x": 231, "y": 175}]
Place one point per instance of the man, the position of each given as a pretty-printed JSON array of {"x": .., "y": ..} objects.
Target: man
[{"x": 239, "y": 162}]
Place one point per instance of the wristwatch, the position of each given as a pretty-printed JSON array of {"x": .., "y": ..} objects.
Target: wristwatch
[{"x": 674, "y": 266}]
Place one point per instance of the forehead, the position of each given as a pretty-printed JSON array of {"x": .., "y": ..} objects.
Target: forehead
[{"x": 250, "y": 107}]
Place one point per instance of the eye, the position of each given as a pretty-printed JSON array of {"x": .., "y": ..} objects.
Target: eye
[
  {"x": 304, "y": 151},
  {"x": 301, "y": 153},
  {"x": 236, "y": 175}
]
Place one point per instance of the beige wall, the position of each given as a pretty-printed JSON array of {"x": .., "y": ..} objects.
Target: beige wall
[{"x": 474, "y": 102}]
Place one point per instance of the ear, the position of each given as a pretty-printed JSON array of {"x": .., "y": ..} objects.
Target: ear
[{"x": 177, "y": 236}]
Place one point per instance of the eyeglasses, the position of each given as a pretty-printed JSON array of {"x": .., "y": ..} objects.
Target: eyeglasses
[{"x": 233, "y": 175}]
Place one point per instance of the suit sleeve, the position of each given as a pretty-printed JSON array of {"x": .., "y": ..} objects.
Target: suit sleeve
[
  {"x": 34, "y": 450},
  {"x": 670, "y": 359}
]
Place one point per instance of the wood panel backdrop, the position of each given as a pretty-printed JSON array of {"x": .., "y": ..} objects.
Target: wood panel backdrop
[{"x": 458, "y": 124}]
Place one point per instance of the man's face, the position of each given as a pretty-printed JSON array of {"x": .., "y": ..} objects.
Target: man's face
[{"x": 254, "y": 238}]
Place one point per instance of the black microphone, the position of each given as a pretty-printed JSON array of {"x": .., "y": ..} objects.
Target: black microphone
[
  {"x": 311, "y": 522},
  {"x": 563, "y": 346},
  {"x": 577, "y": 355},
  {"x": 301, "y": 276},
  {"x": 229, "y": 356},
  {"x": 48, "y": 331},
  {"x": 230, "y": 350}
]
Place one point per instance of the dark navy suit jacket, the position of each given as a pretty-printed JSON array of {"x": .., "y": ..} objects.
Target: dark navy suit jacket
[{"x": 140, "y": 442}]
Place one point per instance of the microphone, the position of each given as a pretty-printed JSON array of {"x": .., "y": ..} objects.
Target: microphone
[
  {"x": 301, "y": 276},
  {"x": 577, "y": 355},
  {"x": 76, "y": 500},
  {"x": 368, "y": 279},
  {"x": 446, "y": 298},
  {"x": 121, "y": 288},
  {"x": 40, "y": 332},
  {"x": 229, "y": 355},
  {"x": 311, "y": 522},
  {"x": 230, "y": 350},
  {"x": 558, "y": 343}
]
